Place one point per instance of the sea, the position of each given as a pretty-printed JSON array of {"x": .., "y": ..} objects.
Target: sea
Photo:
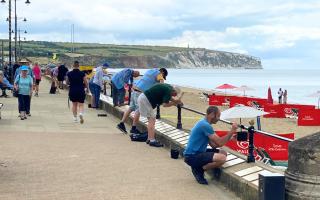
[{"x": 299, "y": 83}]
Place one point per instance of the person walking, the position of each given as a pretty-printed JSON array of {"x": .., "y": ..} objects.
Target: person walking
[
  {"x": 62, "y": 72},
  {"x": 150, "y": 77},
  {"x": 96, "y": 84},
  {"x": 23, "y": 84},
  {"x": 285, "y": 96},
  {"x": 77, "y": 85},
  {"x": 160, "y": 93},
  {"x": 118, "y": 81},
  {"x": 37, "y": 76},
  {"x": 196, "y": 154},
  {"x": 280, "y": 93}
]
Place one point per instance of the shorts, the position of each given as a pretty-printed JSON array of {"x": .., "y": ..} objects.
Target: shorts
[
  {"x": 77, "y": 97},
  {"x": 38, "y": 81},
  {"x": 145, "y": 107},
  {"x": 200, "y": 159},
  {"x": 134, "y": 101}
]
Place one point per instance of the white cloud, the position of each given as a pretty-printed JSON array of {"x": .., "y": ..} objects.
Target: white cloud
[{"x": 248, "y": 26}]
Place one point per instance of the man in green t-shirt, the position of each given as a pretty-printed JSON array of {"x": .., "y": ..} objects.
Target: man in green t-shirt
[{"x": 159, "y": 94}]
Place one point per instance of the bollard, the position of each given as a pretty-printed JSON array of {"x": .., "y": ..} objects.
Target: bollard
[
  {"x": 158, "y": 112},
  {"x": 303, "y": 173},
  {"x": 179, "y": 124}
]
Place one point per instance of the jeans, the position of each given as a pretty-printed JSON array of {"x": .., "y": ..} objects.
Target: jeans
[
  {"x": 24, "y": 103},
  {"x": 95, "y": 90},
  {"x": 118, "y": 95}
]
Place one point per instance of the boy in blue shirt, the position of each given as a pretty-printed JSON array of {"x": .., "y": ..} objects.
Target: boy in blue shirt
[{"x": 202, "y": 134}]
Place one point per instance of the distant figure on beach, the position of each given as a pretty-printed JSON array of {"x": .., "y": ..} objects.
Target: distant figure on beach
[
  {"x": 118, "y": 81},
  {"x": 285, "y": 95},
  {"x": 150, "y": 77},
  {"x": 280, "y": 94},
  {"x": 160, "y": 93},
  {"x": 196, "y": 154},
  {"x": 78, "y": 83}
]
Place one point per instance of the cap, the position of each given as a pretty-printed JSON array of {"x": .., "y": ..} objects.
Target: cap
[
  {"x": 24, "y": 67},
  {"x": 164, "y": 72}
]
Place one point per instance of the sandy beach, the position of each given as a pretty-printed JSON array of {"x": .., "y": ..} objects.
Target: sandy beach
[{"x": 193, "y": 98}]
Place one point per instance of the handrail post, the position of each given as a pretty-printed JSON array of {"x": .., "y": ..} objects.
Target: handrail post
[
  {"x": 105, "y": 88},
  {"x": 250, "y": 157},
  {"x": 110, "y": 89},
  {"x": 129, "y": 90},
  {"x": 158, "y": 112},
  {"x": 179, "y": 124}
]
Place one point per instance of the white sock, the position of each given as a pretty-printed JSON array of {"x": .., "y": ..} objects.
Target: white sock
[
  {"x": 81, "y": 114},
  {"x": 153, "y": 140}
]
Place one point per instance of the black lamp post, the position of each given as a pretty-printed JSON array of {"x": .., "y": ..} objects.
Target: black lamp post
[{"x": 9, "y": 20}]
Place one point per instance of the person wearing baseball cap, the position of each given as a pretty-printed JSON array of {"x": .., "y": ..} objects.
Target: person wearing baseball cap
[
  {"x": 23, "y": 84},
  {"x": 150, "y": 78}
]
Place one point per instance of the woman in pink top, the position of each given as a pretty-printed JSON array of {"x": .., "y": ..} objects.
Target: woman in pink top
[{"x": 37, "y": 75}]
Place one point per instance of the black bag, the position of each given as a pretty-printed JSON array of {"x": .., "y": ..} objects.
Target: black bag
[
  {"x": 53, "y": 88},
  {"x": 14, "y": 91},
  {"x": 139, "y": 137}
]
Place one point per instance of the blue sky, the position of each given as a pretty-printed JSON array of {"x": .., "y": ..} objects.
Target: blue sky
[{"x": 283, "y": 33}]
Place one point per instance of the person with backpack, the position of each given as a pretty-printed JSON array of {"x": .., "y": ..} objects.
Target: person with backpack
[{"x": 23, "y": 84}]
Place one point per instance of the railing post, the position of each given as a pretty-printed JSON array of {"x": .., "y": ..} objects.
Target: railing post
[
  {"x": 158, "y": 112},
  {"x": 259, "y": 123},
  {"x": 129, "y": 90},
  {"x": 110, "y": 89},
  {"x": 250, "y": 157},
  {"x": 105, "y": 88},
  {"x": 179, "y": 124}
]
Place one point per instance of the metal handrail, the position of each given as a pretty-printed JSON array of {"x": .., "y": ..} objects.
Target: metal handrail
[{"x": 242, "y": 126}]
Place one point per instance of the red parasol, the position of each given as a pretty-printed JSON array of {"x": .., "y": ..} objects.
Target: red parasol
[
  {"x": 270, "y": 100},
  {"x": 226, "y": 87}
]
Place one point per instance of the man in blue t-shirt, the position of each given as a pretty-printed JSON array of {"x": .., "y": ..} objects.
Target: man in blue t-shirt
[{"x": 202, "y": 134}]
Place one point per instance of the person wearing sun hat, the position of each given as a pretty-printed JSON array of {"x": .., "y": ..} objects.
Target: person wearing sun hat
[{"x": 23, "y": 84}]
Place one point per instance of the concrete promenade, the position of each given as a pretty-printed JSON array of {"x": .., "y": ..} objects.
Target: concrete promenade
[{"x": 48, "y": 156}]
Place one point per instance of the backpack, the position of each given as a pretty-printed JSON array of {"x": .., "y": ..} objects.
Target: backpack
[{"x": 139, "y": 137}]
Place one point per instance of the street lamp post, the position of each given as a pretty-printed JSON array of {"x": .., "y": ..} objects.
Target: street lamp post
[
  {"x": 10, "y": 47},
  {"x": 20, "y": 42}
]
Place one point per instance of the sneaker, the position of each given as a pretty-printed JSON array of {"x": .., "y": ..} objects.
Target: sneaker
[
  {"x": 135, "y": 131},
  {"x": 29, "y": 114},
  {"x": 25, "y": 117},
  {"x": 148, "y": 141},
  {"x": 22, "y": 118},
  {"x": 81, "y": 119},
  {"x": 198, "y": 175},
  {"x": 155, "y": 144},
  {"x": 122, "y": 127},
  {"x": 75, "y": 119}
]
